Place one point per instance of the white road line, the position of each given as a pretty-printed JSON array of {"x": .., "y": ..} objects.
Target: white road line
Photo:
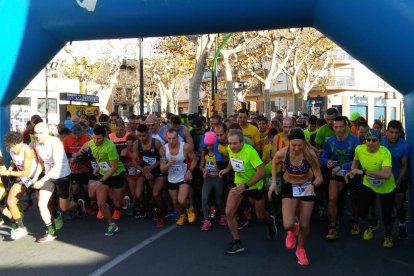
[{"x": 131, "y": 251}]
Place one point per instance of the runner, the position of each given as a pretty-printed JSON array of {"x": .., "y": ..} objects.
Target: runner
[
  {"x": 149, "y": 150},
  {"x": 111, "y": 173},
  {"x": 26, "y": 171},
  {"x": 249, "y": 130},
  {"x": 400, "y": 150},
  {"x": 173, "y": 156},
  {"x": 378, "y": 179},
  {"x": 301, "y": 166},
  {"x": 337, "y": 156},
  {"x": 248, "y": 182},
  {"x": 51, "y": 154}
]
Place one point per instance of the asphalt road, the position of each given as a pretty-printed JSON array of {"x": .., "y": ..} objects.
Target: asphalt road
[{"x": 139, "y": 248}]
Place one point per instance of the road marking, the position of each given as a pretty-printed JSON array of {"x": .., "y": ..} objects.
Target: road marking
[{"x": 131, "y": 251}]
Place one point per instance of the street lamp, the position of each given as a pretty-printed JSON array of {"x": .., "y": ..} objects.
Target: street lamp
[
  {"x": 52, "y": 66},
  {"x": 313, "y": 107}
]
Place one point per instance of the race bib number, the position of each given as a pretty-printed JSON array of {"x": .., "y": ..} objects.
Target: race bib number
[
  {"x": 149, "y": 160},
  {"x": 104, "y": 166},
  {"x": 48, "y": 167},
  {"x": 132, "y": 171},
  {"x": 26, "y": 181},
  {"x": 237, "y": 165},
  {"x": 94, "y": 166},
  {"x": 298, "y": 190},
  {"x": 342, "y": 173},
  {"x": 176, "y": 169},
  {"x": 375, "y": 181},
  {"x": 211, "y": 168}
]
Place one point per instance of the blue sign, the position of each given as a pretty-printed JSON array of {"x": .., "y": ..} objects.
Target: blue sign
[{"x": 82, "y": 98}]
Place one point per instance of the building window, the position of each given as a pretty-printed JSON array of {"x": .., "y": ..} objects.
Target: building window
[
  {"x": 393, "y": 113},
  {"x": 41, "y": 106},
  {"x": 362, "y": 110},
  {"x": 379, "y": 113}
]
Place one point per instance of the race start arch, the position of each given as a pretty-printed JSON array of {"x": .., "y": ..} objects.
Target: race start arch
[{"x": 379, "y": 33}]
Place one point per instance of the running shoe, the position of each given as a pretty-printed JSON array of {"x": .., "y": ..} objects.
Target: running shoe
[
  {"x": 271, "y": 227},
  {"x": 125, "y": 202},
  {"x": 139, "y": 213},
  {"x": 369, "y": 232},
  {"x": 242, "y": 223},
  {"x": 332, "y": 234},
  {"x": 191, "y": 215},
  {"x": 112, "y": 229},
  {"x": 387, "y": 242},
  {"x": 99, "y": 215},
  {"x": 49, "y": 236},
  {"x": 81, "y": 210},
  {"x": 206, "y": 225},
  {"x": 160, "y": 221},
  {"x": 181, "y": 220},
  {"x": 58, "y": 222},
  {"x": 116, "y": 214},
  {"x": 302, "y": 258},
  {"x": 402, "y": 232},
  {"x": 18, "y": 233},
  {"x": 175, "y": 216},
  {"x": 27, "y": 205},
  {"x": 290, "y": 241},
  {"x": 355, "y": 229},
  {"x": 223, "y": 220},
  {"x": 235, "y": 248},
  {"x": 212, "y": 212}
]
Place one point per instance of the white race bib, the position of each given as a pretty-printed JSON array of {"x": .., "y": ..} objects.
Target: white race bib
[
  {"x": 48, "y": 166},
  {"x": 298, "y": 190},
  {"x": 132, "y": 171},
  {"x": 104, "y": 166},
  {"x": 375, "y": 181},
  {"x": 342, "y": 173},
  {"x": 176, "y": 168},
  {"x": 237, "y": 165},
  {"x": 94, "y": 166},
  {"x": 26, "y": 181},
  {"x": 149, "y": 160}
]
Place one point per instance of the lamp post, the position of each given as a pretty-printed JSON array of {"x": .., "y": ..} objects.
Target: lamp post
[
  {"x": 313, "y": 107},
  {"x": 49, "y": 67}
]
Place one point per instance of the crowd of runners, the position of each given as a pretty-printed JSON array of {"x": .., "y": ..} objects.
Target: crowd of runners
[{"x": 228, "y": 171}]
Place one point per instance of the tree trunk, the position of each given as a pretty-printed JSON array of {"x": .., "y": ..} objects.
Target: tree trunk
[
  {"x": 266, "y": 98},
  {"x": 229, "y": 84},
  {"x": 204, "y": 45},
  {"x": 82, "y": 86}
]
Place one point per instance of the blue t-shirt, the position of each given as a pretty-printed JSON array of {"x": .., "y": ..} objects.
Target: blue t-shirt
[
  {"x": 216, "y": 151},
  {"x": 399, "y": 150},
  {"x": 341, "y": 151}
]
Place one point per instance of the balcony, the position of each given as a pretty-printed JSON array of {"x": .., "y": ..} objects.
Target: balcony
[
  {"x": 341, "y": 57},
  {"x": 342, "y": 81}
]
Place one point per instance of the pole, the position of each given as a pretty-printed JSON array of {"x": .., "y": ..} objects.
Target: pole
[
  {"x": 47, "y": 95},
  {"x": 141, "y": 76}
]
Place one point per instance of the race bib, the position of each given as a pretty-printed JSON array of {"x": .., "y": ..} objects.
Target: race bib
[
  {"x": 176, "y": 169},
  {"x": 132, "y": 171},
  {"x": 149, "y": 160},
  {"x": 298, "y": 190},
  {"x": 104, "y": 166},
  {"x": 211, "y": 168},
  {"x": 342, "y": 173},
  {"x": 94, "y": 166},
  {"x": 375, "y": 181},
  {"x": 48, "y": 167},
  {"x": 26, "y": 181},
  {"x": 237, "y": 165}
]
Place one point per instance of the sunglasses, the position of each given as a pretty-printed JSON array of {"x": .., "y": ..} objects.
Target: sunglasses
[{"x": 371, "y": 140}]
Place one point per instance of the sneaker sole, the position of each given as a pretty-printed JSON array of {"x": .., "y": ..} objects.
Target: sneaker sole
[
  {"x": 45, "y": 241},
  {"x": 111, "y": 234},
  {"x": 241, "y": 250}
]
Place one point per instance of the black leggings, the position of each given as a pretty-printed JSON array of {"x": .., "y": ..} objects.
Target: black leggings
[{"x": 367, "y": 197}]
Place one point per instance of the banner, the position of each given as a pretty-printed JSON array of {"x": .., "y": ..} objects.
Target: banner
[{"x": 82, "y": 110}]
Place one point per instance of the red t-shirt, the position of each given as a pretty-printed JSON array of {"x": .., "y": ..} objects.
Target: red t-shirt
[{"x": 73, "y": 145}]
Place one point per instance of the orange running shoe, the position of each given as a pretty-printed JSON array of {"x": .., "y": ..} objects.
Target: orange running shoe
[{"x": 116, "y": 215}]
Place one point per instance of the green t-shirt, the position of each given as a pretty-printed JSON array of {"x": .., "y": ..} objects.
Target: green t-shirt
[
  {"x": 244, "y": 164},
  {"x": 309, "y": 133},
  {"x": 103, "y": 154},
  {"x": 324, "y": 132},
  {"x": 375, "y": 162}
]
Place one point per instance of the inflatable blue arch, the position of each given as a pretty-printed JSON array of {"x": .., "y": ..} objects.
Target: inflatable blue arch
[{"x": 379, "y": 33}]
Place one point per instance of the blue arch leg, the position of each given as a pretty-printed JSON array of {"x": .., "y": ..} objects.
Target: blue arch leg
[{"x": 4, "y": 128}]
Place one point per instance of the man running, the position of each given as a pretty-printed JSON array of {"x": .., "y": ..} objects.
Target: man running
[
  {"x": 248, "y": 182},
  {"x": 51, "y": 154}
]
